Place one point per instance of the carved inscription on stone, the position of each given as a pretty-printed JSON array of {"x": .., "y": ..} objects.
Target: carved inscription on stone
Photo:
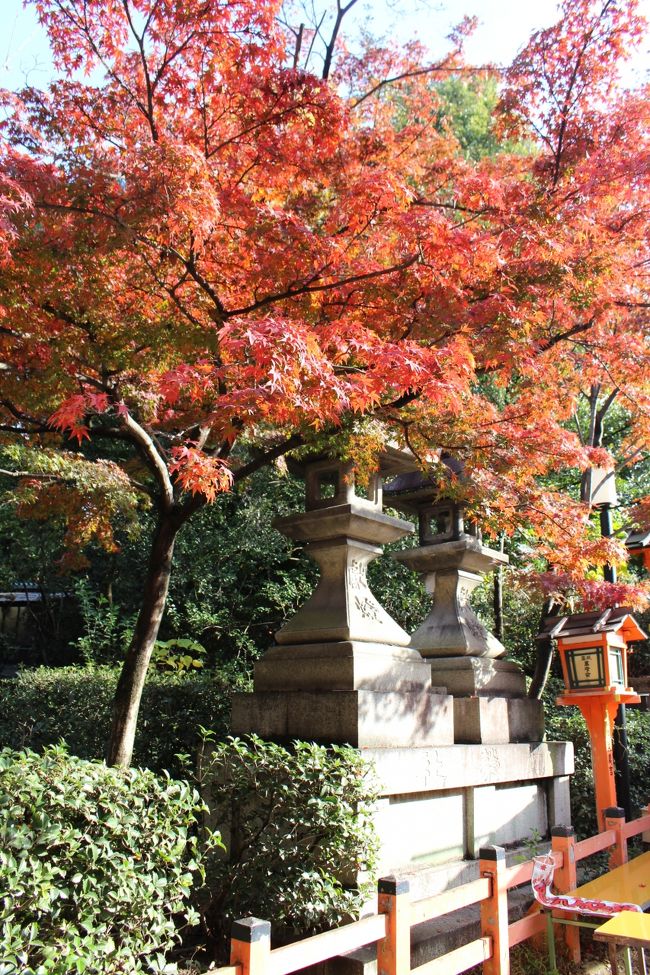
[
  {"x": 367, "y": 607},
  {"x": 357, "y": 574},
  {"x": 364, "y": 601}
]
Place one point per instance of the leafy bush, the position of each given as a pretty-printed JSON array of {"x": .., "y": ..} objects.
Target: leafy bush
[
  {"x": 42, "y": 706},
  {"x": 106, "y": 629},
  {"x": 95, "y": 862},
  {"x": 298, "y": 832}
]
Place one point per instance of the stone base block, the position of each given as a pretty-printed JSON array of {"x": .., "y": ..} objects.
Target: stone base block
[
  {"x": 440, "y": 805},
  {"x": 496, "y": 720},
  {"x": 345, "y": 666},
  {"x": 478, "y": 677},
  {"x": 403, "y": 771},
  {"x": 365, "y": 719}
]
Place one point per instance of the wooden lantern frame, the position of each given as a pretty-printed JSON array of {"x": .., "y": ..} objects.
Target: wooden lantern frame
[
  {"x": 592, "y": 664},
  {"x": 593, "y": 650}
]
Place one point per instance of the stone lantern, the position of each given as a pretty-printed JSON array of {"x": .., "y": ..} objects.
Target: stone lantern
[
  {"x": 464, "y": 656},
  {"x": 342, "y": 669}
]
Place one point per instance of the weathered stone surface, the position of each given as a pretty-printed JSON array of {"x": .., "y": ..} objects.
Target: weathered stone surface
[
  {"x": 420, "y": 822},
  {"x": 466, "y": 553},
  {"x": 353, "y": 519},
  {"x": 452, "y": 570},
  {"x": 343, "y": 540},
  {"x": 419, "y": 828},
  {"x": 525, "y": 719},
  {"x": 494, "y": 720},
  {"x": 342, "y": 666},
  {"x": 366, "y": 719},
  {"x": 478, "y": 676},
  {"x": 403, "y": 770},
  {"x": 505, "y": 814},
  {"x": 559, "y": 801}
]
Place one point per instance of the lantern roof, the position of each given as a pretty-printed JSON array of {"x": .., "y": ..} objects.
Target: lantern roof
[
  {"x": 617, "y": 619},
  {"x": 416, "y": 485},
  {"x": 638, "y": 540}
]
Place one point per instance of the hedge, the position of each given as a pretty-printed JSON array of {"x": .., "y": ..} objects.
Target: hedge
[
  {"x": 298, "y": 827},
  {"x": 97, "y": 864},
  {"x": 43, "y": 706}
]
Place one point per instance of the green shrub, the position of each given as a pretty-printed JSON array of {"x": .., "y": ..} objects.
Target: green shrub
[
  {"x": 298, "y": 833},
  {"x": 95, "y": 862},
  {"x": 42, "y": 706}
]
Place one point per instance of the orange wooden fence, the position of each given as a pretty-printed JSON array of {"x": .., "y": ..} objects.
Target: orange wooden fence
[{"x": 390, "y": 928}]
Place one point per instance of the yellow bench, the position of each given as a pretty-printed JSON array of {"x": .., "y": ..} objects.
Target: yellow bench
[
  {"x": 629, "y": 883},
  {"x": 629, "y": 929}
]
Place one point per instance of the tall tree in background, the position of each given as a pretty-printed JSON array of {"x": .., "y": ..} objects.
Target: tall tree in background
[{"x": 212, "y": 256}]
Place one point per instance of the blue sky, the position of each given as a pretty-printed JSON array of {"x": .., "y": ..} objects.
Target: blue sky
[{"x": 504, "y": 26}]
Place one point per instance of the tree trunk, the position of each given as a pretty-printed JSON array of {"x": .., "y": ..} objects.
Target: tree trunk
[
  {"x": 497, "y": 598},
  {"x": 129, "y": 687},
  {"x": 544, "y": 656}
]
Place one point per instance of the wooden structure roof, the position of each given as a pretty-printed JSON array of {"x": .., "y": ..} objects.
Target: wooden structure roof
[{"x": 618, "y": 619}]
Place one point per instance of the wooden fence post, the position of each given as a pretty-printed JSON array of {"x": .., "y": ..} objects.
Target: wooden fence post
[
  {"x": 250, "y": 946},
  {"x": 614, "y": 818},
  {"x": 563, "y": 840},
  {"x": 494, "y": 910},
  {"x": 394, "y": 951}
]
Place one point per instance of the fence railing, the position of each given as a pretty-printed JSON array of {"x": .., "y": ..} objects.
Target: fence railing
[{"x": 390, "y": 928}]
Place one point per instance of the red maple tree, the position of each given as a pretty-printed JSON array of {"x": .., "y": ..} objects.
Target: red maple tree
[{"x": 214, "y": 255}]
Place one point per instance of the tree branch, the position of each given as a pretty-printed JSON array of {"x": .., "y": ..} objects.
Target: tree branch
[
  {"x": 156, "y": 462},
  {"x": 291, "y": 443},
  {"x": 312, "y": 288},
  {"x": 329, "y": 48}
]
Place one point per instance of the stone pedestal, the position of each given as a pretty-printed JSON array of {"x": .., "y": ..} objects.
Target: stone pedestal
[
  {"x": 364, "y": 719},
  {"x": 452, "y": 570},
  {"x": 490, "y": 703},
  {"x": 346, "y": 665},
  {"x": 496, "y": 720},
  {"x": 440, "y": 805},
  {"x": 464, "y": 656},
  {"x": 478, "y": 676}
]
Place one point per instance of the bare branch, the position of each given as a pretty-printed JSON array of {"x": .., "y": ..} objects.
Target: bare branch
[
  {"x": 341, "y": 11},
  {"x": 279, "y": 450},
  {"x": 414, "y": 73},
  {"x": 147, "y": 446}
]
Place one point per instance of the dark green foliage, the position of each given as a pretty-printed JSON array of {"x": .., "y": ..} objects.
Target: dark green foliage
[
  {"x": 96, "y": 864},
  {"x": 236, "y": 579},
  {"x": 522, "y": 609},
  {"x": 42, "y": 706},
  {"x": 29, "y": 554},
  {"x": 400, "y": 591},
  {"x": 300, "y": 833}
]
